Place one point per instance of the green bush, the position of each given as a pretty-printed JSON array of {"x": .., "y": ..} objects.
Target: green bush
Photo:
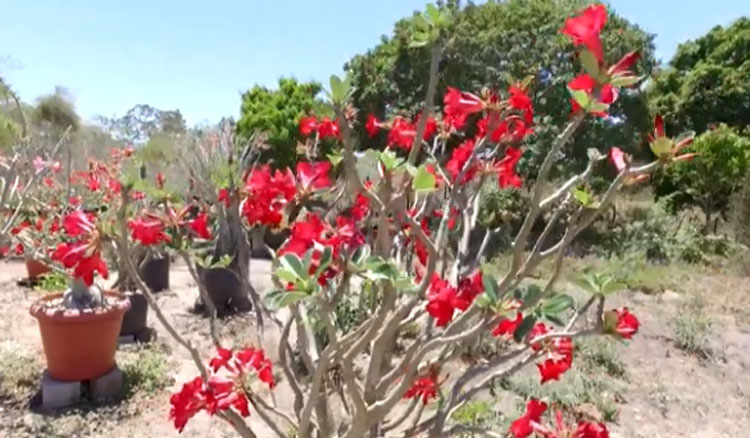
[{"x": 708, "y": 180}]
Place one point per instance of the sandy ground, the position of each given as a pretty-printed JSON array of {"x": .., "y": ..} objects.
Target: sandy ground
[{"x": 669, "y": 393}]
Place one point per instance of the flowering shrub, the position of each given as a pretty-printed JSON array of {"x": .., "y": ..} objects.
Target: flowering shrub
[{"x": 383, "y": 242}]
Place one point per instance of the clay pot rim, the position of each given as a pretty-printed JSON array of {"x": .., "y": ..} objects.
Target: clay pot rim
[{"x": 71, "y": 316}]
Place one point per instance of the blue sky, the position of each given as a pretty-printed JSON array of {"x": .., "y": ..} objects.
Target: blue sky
[{"x": 199, "y": 56}]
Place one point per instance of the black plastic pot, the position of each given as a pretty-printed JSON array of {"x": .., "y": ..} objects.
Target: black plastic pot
[
  {"x": 134, "y": 321},
  {"x": 225, "y": 291},
  {"x": 155, "y": 273}
]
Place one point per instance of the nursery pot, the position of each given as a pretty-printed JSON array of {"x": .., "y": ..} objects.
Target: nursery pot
[
  {"x": 35, "y": 268},
  {"x": 134, "y": 320},
  {"x": 80, "y": 345},
  {"x": 225, "y": 291},
  {"x": 155, "y": 273}
]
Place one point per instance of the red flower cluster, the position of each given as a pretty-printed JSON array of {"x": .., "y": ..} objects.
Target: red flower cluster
[
  {"x": 530, "y": 422},
  {"x": 403, "y": 132},
  {"x": 267, "y": 195},
  {"x": 443, "y": 299},
  {"x": 424, "y": 387},
  {"x": 325, "y": 127},
  {"x": 84, "y": 254},
  {"x": 219, "y": 393},
  {"x": 622, "y": 323},
  {"x": 148, "y": 231}
]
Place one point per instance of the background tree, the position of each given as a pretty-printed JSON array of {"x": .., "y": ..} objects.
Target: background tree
[
  {"x": 709, "y": 180},
  {"x": 707, "y": 82},
  {"x": 276, "y": 114},
  {"x": 497, "y": 42}
]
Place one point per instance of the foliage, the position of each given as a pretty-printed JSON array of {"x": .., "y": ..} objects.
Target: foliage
[
  {"x": 741, "y": 212},
  {"x": 52, "y": 282},
  {"x": 57, "y": 111},
  {"x": 692, "y": 327},
  {"x": 145, "y": 370},
  {"x": 714, "y": 174},
  {"x": 708, "y": 81},
  {"x": 276, "y": 114},
  {"x": 493, "y": 42}
]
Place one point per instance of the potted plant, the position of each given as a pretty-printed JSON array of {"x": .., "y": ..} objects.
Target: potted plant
[{"x": 80, "y": 327}]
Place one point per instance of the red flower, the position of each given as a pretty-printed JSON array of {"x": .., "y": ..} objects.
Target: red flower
[
  {"x": 372, "y": 126},
  {"x": 506, "y": 168},
  {"x": 591, "y": 430},
  {"x": 524, "y": 426},
  {"x": 308, "y": 125},
  {"x": 460, "y": 103},
  {"x": 328, "y": 128},
  {"x": 507, "y": 326},
  {"x": 314, "y": 175},
  {"x": 148, "y": 231},
  {"x": 624, "y": 64},
  {"x": 222, "y": 394},
  {"x": 402, "y": 134},
  {"x": 221, "y": 360},
  {"x": 559, "y": 361},
  {"x": 429, "y": 128},
  {"x": 84, "y": 258},
  {"x": 77, "y": 223},
  {"x": 520, "y": 101},
  {"x": 469, "y": 288},
  {"x": 4, "y": 251},
  {"x": 199, "y": 226},
  {"x": 93, "y": 183},
  {"x": 186, "y": 403},
  {"x": 458, "y": 159},
  {"x": 267, "y": 195},
  {"x": 256, "y": 359},
  {"x": 617, "y": 157},
  {"x": 585, "y": 29},
  {"x": 607, "y": 94},
  {"x": 425, "y": 387},
  {"x": 443, "y": 300},
  {"x": 621, "y": 323},
  {"x": 223, "y": 197},
  {"x": 160, "y": 180},
  {"x": 18, "y": 249}
]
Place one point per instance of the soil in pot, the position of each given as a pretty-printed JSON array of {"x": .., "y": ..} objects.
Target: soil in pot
[
  {"x": 155, "y": 273},
  {"x": 35, "y": 269},
  {"x": 79, "y": 344},
  {"x": 134, "y": 320},
  {"x": 225, "y": 291}
]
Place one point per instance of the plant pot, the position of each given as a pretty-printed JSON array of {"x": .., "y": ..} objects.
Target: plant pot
[
  {"x": 225, "y": 291},
  {"x": 275, "y": 238},
  {"x": 134, "y": 320},
  {"x": 155, "y": 273},
  {"x": 80, "y": 345},
  {"x": 35, "y": 269}
]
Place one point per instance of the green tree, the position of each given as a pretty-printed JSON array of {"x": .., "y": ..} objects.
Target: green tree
[
  {"x": 497, "y": 42},
  {"x": 707, "y": 81},
  {"x": 709, "y": 180},
  {"x": 275, "y": 114}
]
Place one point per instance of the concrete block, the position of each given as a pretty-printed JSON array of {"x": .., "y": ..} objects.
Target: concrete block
[
  {"x": 56, "y": 394},
  {"x": 108, "y": 386},
  {"x": 126, "y": 339}
]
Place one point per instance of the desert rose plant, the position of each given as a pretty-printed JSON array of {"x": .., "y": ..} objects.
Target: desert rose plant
[{"x": 381, "y": 244}]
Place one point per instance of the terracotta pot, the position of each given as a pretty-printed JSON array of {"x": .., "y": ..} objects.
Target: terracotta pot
[
  {"x": 35, "y": 269},
  {"x": 155, "y": 273},
  {"x": 134, "y": 320},
  {"x": 80, "y": 345}
]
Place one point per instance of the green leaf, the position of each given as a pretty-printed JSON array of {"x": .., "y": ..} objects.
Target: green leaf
[
  {"x": 292, "y": 263},
  {"x": 419, "y": 39},
  {"x": 433, "y": 13},
  {"x": 325, "y": 261},
  {"x": 335, "y": 157},
  {"x": 424, "y": 181},
  {"x": 557, "y": 304},
  {"x": 588, "y": 282},
  {"x": 280, "y": 298},
  {"x": 390, "y": 160},
  {"x": 590, "y": 63},
  {"x": 581, "y": 97},
  {"x": 340, "y": 89},
  {"x": 624, "y": 81},
  {"x": 286, "y": 275},
  {"x": 490, "y": 288},
  {"x": 524, "y": 328},
  {"x": 531, "y": 297},
  {"x": 583, "y": 197},
  {"x": 598, "y": 107}
]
